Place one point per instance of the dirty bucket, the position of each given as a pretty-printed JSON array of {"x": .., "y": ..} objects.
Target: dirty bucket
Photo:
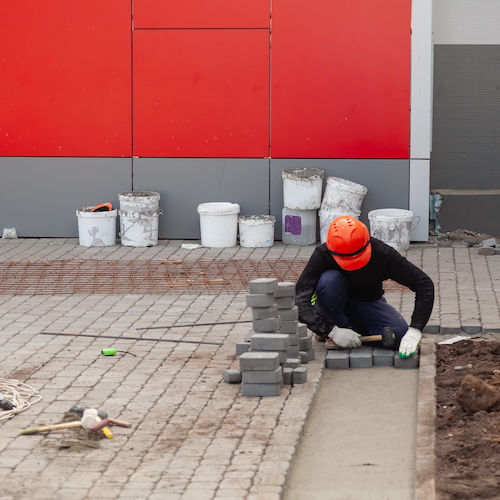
[
  {"x": 342, "y": 195},
  {"x": 139, "y": 211},
  {"x": 218, "y": 224},
  {"x": 302, "y": 188},
  {"x": 326, "y": 218},
  {"x": 256, "y": 230},
  {"x": 299, "y": 227},
  {"x": 96, "y": 229},
  {"x": 392, "y": 226}
]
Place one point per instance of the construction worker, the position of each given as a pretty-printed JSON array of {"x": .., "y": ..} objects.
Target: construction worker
[{"x": 340, "y": 291}]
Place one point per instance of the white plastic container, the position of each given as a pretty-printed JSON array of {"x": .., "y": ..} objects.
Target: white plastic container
[
  {"x": 256, "y": 230},
  {"x": 326, "y": 218},
  {"x": 299, "y": 227},
  {"x": 392, "y": 226},
  {"x": 302, "y": 188},
  {"x": 218, "y": 224},
  {"x": 139, "y": 211},
  {"x": 96, "y": 229},
  {"x": 342, "y": 195}
]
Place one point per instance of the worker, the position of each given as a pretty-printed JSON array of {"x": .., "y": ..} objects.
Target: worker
[{"x": 340, "y": 291}]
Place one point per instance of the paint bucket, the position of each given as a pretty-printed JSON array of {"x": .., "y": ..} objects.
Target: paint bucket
[
  {"x": 256, "y": 230},
  {"x": 299, "y": 227},
  {"x": 96, "y": 229},
  {"x": 342, "y": 195},
  {"x": 218, "y": 224},
  {"x": 392, "y": 226},
  {"x": 302, "y": 188},
  {"x": 326, "y": 218},
  {"x": 139, "y": 211}
]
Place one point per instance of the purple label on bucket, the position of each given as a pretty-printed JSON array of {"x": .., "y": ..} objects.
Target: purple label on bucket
[{"x": 293, "y": 224}]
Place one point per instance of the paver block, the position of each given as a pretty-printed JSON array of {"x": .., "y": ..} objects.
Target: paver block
[
  {"x": 304, "y": 357},
  {"x": 269, "y": 342},
  {"x": 305, "y": 343},
  {"x": 299, "y": 375},
  {"x": 302, "y": 329},
  {"x": 337, "y": 360},
  {"x": 285, "y": 289},
  {"x": 261, "y": 389},
  {"x": 490, "y": 242},
  {"x": 383, "y": 357},
  {"x": 282, "y": 355},
  {"x": 252, "y": 360},
  {"x": 263, "y": 376},
  {"x": 432, "y": 329},
  {"x": 287, "y": 376},
  {"x": 232, "y": 376},
  {"x": 293, "y": 338},
  {"x": 263, "y": 285},
  {"x": 289, "y": 314},
  {"x": 486, "y": 251},
  {"x": 293, "y": 351},
  {"x": 242, "y": 347},
  {"x": 284, "y": 302},
  {"x": 292, "y": 363},
  {"x": 260, "y": 299},
  {"x": 361, "y": 358},
  {"x": 265, "y": 312},
  {"x": 288, "y": 326},
  {"x": 266, "y": 324},
  {"x": 411, "y": 362}
]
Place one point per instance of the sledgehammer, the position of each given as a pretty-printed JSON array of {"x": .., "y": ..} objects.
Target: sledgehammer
[{"x": 387, "y": 337}]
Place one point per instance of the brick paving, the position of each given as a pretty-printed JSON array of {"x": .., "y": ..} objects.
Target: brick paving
[{"x": 192, "y": 434}]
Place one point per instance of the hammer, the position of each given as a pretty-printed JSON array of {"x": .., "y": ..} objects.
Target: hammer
[
  {"x": 78, "y": 409},
  {"x": 91, "y": 422},
  {"x": 387, "y": 337}
]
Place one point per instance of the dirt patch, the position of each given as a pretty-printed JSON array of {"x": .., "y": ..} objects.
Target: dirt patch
[
  {"x": 468, "y": 420},
  {"x": 465, "y": 236}
]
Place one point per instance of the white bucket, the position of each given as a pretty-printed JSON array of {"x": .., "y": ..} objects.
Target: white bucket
[
  {"x": 299, "y": 227},
  {"x": 139, "y": 211},
  {"x": 96, "y": 229},
  {"x": 218, "y": 224},
  {"x": 392, "y": 226},
  {"x": 342, "y": 195},
  {"x": 326, "y": 218},
  {"x": 302, "y": 188},
  {"x": 256, "y": 230}
]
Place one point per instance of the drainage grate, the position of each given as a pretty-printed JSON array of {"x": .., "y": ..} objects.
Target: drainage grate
[{"x": 142, "y": 277}]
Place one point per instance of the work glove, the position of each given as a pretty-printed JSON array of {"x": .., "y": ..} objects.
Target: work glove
[
  {"x": 409, "y": 342},
  {"x": 345, "y": 337}
]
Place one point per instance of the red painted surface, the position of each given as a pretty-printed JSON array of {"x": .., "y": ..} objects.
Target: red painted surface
[
  {"x": 201, "y": 93},
  {"x": 201, "y": 14},
  {"x": 65, "y": 85},
  {"x": 341, "y": 79}
]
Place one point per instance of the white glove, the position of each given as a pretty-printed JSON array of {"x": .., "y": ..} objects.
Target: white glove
[
  {"x": 345, "y": 337},
  {"x": 409, "y": 342}
]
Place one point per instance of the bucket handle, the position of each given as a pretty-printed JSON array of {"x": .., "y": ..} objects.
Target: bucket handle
[{"x": 418, "y": 222}]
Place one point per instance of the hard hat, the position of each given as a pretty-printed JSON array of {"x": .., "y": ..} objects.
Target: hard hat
[{"x": 348, "y": 240}]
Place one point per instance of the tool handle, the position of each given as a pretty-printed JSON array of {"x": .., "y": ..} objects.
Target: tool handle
[
  {"x": 119, "y": 422},
  {"x": 66, "y": 425},
  {"x": 99, "y": 425},
  {"x": 371, "y": 338}
]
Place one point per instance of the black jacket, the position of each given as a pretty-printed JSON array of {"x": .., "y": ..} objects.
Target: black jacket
[{"x": 365, "y": 283}]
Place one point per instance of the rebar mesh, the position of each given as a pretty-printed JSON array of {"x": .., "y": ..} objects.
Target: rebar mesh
[{"x": 142, "y": 277}]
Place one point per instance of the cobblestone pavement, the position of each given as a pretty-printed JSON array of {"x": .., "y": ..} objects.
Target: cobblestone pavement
[{"x": 192, "y": 435}]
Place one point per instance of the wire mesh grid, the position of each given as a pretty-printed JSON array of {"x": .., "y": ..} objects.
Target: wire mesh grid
[{"x": 143, "y": 277}]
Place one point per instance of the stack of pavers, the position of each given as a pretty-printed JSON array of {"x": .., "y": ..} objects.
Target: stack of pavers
[{"x": 273, "y": 353}]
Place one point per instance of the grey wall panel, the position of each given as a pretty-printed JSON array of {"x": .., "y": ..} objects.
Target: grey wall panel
[
  {"x": 39, "y": 196},
  {"x": 387, "y": 182},
  {"x": 184, "y": 183},
  {"x": 466, "y": 135}
]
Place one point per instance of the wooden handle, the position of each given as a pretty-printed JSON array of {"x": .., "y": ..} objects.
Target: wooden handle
[
  {"x": 66, "y": 425},
  {"x": 99, "y": 425},
  {"x": 371, "y": 338},
  {"x": 118, "y": 422}
]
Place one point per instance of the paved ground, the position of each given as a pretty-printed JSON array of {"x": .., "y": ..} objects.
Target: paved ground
[{"x": 192, "y": 435}]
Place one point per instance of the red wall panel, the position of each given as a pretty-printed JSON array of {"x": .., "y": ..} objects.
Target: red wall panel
[
  {"x": 341, "y": 79},
  {"x": 201, "y": 14},
  {"x": 65, "y": 86},
  {"x": 201, "y": 93}
]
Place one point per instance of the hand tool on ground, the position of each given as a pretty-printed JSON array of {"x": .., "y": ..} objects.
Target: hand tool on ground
[
  {"x": 66, "y": 425},
  {"x": 387, "y": 337},
  {"x": 91, "y": 418},
  {"x": 79, "y": 409}
]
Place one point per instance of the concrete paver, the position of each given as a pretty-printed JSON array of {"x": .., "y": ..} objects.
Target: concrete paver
[{"x": 193, "y": 435}]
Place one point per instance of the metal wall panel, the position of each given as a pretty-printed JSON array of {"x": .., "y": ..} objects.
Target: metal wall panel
[
  {"x": 466, "y": 136},
  {"x": 186, "y": 182},
  {"x": 39, "y": 196},
  {"x": 340, "y": 79},
  {"x": 66, "y": 79},
  {"x": 201, "y": 14},
  {"x": 201, "y": 93}
]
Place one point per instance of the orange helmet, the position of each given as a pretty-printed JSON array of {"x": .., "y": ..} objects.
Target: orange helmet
[{"x": 348, "y": 240}]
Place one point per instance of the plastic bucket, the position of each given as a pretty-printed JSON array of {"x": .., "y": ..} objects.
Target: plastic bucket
[
  {"x": 299, "y": 227},
  {"x": 302, "y": 188},
  {"x": 342, "y": 195},
  {"x": 218, "y": 224},
  {"x": 139, "y": 211},
  {"x": 392, "y": 226},
  {"x": 96, "y": 229},
  {"x": 326, "y": 218},
  {"x": 256, "y": 230}
]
